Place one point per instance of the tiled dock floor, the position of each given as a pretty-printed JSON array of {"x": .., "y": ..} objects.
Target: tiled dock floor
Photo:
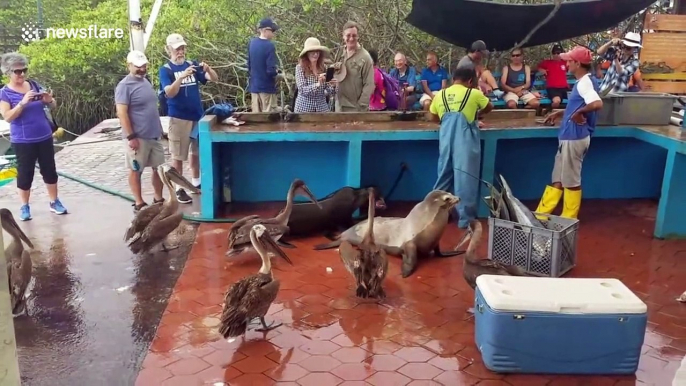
[{"x": 419, "y": 335}]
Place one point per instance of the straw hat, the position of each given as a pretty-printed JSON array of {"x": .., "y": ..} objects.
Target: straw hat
[{"x": 313, "y": 44}]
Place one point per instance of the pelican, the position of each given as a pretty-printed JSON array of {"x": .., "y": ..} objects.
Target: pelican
[{"x": 19, "y": 265}]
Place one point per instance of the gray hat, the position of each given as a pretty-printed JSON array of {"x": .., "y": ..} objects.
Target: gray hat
[{"x": 479, "y": 46}]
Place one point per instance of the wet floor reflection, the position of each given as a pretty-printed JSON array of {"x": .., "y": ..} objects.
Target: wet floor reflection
[{"x": 95, "y": 307}]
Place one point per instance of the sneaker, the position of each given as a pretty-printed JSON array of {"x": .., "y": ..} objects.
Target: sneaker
[
  {"x": 156, "y": 201},
  {"x": 183, "y": 197},
  {"x": 57, "y": 207},
  {"x": 25, "y": 213},
  {"x": 136, "y": 208}
]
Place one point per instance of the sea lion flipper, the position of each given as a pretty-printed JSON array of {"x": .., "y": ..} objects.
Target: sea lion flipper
[
  {"x": 330, "y": 245},
  {"x": 409, "y": 258},
  {"x": 439, "y": 253},
  {"x": 285, "y": 244}
]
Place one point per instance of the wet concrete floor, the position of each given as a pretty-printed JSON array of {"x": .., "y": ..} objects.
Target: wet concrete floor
[{"x": 95, "y": 305}]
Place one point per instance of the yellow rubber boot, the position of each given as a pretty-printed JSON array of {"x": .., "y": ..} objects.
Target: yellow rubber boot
[
  {"x": 571, "y": 204},
  {"x": 551, "y": 197}
]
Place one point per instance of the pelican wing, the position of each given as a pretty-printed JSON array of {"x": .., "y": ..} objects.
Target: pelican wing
[
  {"x": 142, "y": 219},
  {"x": 19, "y": 274},
  {"x": 349, "y": 256},
  {"x": 381, "y": 255},
  {"x": 240, "y": 230}
]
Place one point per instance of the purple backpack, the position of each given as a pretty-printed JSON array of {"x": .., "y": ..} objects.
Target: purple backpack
[{"x": 393, "y": 92}]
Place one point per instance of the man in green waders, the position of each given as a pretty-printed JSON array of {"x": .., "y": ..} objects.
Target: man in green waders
[{"x": 459, "y": 142}]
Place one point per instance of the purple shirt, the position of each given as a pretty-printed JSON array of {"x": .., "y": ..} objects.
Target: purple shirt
[{"x": 31, "y": 126}]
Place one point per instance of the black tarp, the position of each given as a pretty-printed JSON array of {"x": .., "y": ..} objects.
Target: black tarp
[{"x": 501, "y": 26}]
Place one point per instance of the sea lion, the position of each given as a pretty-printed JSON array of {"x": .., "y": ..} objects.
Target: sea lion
[
  {"x": 335, "y": 215},
  {"x": 417, "y": 234}
]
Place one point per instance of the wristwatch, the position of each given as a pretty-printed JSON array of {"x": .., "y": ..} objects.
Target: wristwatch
[{"x": 131, "y": 136}]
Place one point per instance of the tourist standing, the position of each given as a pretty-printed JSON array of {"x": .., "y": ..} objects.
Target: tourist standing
[
  {"x": 180, "y": 80},
  {"x": 263, "y": 68},
  {"x": 22, "y": 104},
  {"x": 136, "y": 102},
  {"x": 355, "y": 74}
]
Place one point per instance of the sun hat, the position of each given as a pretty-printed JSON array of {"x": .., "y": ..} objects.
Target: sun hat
[
  {"x": 632, "y": 39},
  {"x": 312, "y": 44}
]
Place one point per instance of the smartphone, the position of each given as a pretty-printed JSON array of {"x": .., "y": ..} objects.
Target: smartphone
[{"x": 329, "y": 74}]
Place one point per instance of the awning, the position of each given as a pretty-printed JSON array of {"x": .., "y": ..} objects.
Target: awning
[{"x": 501, "y": 26}]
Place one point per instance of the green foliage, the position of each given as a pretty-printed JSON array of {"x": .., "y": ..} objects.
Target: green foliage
[{"x": 84, "y": 72}]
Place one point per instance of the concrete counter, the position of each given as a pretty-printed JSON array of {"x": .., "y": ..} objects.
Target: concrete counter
[{"x": 256, "y": 162}]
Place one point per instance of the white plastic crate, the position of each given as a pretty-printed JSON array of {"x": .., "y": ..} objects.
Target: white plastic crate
[{"x": 549, "y": 251}]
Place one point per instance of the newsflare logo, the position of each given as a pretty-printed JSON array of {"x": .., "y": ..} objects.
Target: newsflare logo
[{"x": 31, "y": 32}]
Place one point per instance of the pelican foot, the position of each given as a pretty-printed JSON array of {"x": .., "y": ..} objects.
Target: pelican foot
[
  {"x": 266, "y": 327},
  {"x": 165, "y": 248}
]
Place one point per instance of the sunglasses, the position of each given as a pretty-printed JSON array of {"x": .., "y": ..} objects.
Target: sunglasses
[
  {"x": 20, "y": 71},
  {"x": 516, "y": 55}
]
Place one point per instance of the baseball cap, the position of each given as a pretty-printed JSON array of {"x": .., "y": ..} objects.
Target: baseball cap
[
  {"x": 175, "y": 41},
  {"x": 578, "y": 54},
  {"x": 268, "y": 23},
  {"x": 480, "y": 46},
  {"x": 136, "y": 58}
]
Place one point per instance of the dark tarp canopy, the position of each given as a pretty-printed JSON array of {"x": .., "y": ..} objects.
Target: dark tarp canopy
[{"x": 501, "y": 26}]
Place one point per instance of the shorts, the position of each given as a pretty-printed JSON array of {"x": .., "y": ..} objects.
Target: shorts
[
  {"x": 425, "y": 97},
  {"x": 150, "y": 153},
  {"x": 263, "y": 102},
  {"x": 557, "y": 92},
  {"x": 180, "y": 141},
  {"x": 526, "y": 97},
  {"x": 568, "y": 161}
]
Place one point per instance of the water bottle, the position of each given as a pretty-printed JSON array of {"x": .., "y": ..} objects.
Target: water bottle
[{"x": 136, "y": 166}]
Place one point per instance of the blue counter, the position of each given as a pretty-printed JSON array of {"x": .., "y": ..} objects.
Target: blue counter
[{"x": 257, "y": 162}]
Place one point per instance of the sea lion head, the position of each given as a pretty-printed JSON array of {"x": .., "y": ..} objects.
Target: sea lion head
[
  {"x": 363, "y": 194},
  {"x": 442, "y": 199}
]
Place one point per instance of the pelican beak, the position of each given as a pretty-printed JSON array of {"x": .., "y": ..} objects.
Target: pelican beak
[
  {"x": 8, "y": 219},
  {"x": 305, "y": 191},
  {"x": 269, "y": 244},
  {"x": 174, "y": 176}
]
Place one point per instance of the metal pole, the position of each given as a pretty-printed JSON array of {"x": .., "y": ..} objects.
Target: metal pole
[
  {"x": 9, "y": 361},
  {"x": 136, "y": 32}
]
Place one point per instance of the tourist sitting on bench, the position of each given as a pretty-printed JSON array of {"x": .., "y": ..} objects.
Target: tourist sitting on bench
[
  {"x": 555, "y": 72},
  {"x": 516, "y": 81},
  {"x": 434, "y": 79}
]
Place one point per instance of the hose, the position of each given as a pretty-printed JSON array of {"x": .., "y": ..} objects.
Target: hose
[{"x": 129, "y": 198}]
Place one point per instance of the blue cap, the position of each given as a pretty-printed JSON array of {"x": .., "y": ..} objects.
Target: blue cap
[{"x": 268, "y": 23}]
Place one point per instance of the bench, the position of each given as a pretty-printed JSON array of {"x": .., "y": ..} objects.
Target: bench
[{"x": 538, "y": 85}]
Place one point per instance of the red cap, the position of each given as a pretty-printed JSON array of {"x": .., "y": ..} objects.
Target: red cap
[{"x": 578, "y": 54}]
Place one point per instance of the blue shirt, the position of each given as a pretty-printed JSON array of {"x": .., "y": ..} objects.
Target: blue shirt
[
  {"x": 31, "y": 126},
  {"x": 187, "y": 104},
  {"x": 407, "y": 79},
  {"x": 585, "y": 92},
  {"x": 262, "y": 66},
  {"x": 434, "y": 79}
]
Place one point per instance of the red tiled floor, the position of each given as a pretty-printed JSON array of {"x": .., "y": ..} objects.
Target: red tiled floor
[{"x": 419, "y": 335}]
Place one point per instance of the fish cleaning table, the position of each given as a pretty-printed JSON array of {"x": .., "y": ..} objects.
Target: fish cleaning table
[{"x": 256, "y": 162}]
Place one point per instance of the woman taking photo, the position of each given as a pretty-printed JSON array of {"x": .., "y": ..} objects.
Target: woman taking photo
[
  {"x": 310, "y": 79},
  {"x": 22, "y": 103}
]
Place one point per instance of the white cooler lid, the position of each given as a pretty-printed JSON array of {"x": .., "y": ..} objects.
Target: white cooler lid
[{"x": 560, "y": 295}]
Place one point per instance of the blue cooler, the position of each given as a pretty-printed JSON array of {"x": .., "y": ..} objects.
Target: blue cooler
[{"x": 558, "y": 325}]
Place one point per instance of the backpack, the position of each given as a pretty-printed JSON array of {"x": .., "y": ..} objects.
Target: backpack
[{"x": 393, "y": 92}]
